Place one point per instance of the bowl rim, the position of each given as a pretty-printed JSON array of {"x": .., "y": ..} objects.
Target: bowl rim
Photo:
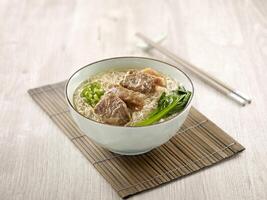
[{"x": 125, "y": 57}]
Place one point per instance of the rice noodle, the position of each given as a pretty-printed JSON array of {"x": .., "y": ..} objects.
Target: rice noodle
[{"x": 109, "y": 78}]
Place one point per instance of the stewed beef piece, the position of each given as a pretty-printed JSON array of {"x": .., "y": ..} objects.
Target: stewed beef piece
[
  {"x": 143, "y": 81},
  {"x": 158, "y": 79},
  {"x": 139, "y": 82},
  {"x": 134, "y": 100},
  {"x": 112, "y": 110}
]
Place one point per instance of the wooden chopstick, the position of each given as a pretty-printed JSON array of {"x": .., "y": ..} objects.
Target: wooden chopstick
[{"x": 207, "y": 78}]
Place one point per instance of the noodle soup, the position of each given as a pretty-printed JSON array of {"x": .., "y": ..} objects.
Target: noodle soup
[
  {"x": 126, "y": 108},
  {"x": 132, "y": 97}
]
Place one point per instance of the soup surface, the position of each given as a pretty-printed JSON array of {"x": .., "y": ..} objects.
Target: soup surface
[{"x": 131, "y": 97}]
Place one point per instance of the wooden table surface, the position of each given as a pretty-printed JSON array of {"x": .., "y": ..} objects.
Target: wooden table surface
[{"x": 45, "y": 41}]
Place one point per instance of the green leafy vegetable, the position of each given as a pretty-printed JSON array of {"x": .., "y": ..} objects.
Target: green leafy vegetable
[
  {"x": 168, "y": 105},
  {"x": 92, "y": 93}
]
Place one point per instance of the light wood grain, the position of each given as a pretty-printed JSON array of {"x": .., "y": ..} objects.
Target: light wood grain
[{"x": 45, "y": 41}]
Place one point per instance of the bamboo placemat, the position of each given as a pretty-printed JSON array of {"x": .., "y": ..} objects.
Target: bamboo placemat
[{"x": 198, "y": 144}]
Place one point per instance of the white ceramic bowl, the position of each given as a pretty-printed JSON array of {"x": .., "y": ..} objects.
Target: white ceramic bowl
[{"x": 128, "y": 140}]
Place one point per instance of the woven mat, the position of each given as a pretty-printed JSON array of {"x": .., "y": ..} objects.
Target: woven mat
[{"x": 198, "y": 144}]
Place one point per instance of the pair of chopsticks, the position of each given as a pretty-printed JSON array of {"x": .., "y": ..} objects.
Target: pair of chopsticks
[{"x": 204, "y": 76}]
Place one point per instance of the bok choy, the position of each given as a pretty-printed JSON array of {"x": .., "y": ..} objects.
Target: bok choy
[{"x": 168, "y": 105}]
